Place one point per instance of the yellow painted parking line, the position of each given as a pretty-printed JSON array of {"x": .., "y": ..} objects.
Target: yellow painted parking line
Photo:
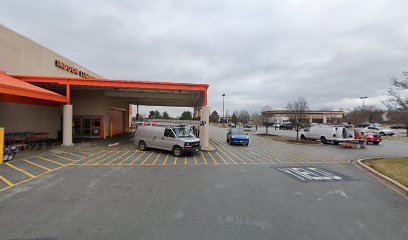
[
  {"x": 224, "y": 153},
  {"x": 221, "y": 158},
  {"x": 36, "y": 176},
  {"x": 147, "y": 158},
  {"x": 205, "y": 160},
  {"x": 19, "y": 169},
  {"x": 220, "y": 144},
  {"x": 103, "y": 159},
  {"x": 97, "y": 157},
  {"x": 117, "y": 157},
  {"x": 74, "y": 155},
  {"x": 195, "y": 160},
  {"x": 65, "y": 158},
  {"x": 138, "y": 157},
  {"x": 85, "y": 152},
  {"x": 128, "y": 157},
  {"x": 51, "y": 161},
  {"x": 37, "y": 165},
  {"x": 6, "y": 181},
  {"x": 165, "y": 160},
  {"x": 212, "y": 157},
  {"x": 154, "y": 162},
  {"x": 185, "y": 160},
  {"x": 175, "y": 161}
]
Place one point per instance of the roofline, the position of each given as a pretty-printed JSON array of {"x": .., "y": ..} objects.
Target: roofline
[
  {"x": 113, "y": 83},
  {"x": 311, "y": 111},
  {"x": 26, "y": 92}
]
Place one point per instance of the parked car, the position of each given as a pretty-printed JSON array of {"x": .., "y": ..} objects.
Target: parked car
[
  {"x": 374, "y": 138},
  {"x": 237, "y": 136},
  {"x": 328, "y": 133},
  {"x": 380, "y": 130},
  {"x": 232, "y": 125},
  {"x": 248, "y": 127},
  {"x": 286, "y": 126},
  {"x": 175, "y": 139}
]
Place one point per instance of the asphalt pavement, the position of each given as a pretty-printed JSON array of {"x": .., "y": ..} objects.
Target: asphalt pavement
[{"x": 285, "y": 199}]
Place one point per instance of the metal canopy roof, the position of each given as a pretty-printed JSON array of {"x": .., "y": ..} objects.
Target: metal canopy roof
[
  {"x": 134, "y": 92},
  {"x": 14, "y": 87}
]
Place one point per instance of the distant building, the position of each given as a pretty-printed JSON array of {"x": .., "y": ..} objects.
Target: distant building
[{"x": 312, "y": 116}]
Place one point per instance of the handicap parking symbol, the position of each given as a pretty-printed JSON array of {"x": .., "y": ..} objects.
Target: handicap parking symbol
[{"x": 313, "y": 174}]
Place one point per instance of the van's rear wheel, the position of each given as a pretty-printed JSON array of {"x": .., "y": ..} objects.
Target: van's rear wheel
[
  {"x": 323, "y": 140},
  {"x": 142, "y": 145},
  {"x": 177, "y": 151}
]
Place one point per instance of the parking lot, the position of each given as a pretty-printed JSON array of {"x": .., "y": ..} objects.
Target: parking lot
[
  {"x": 270, "y": 189},
  {"x": 260, "y": 151}
]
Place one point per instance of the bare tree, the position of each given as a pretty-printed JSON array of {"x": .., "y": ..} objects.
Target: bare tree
[
  {"x": 243, "y": 116},
  {"x": 297, "y": 111},
  {"x": 262, "y": 118},
  {"x": 398, "y": 99},
  {"x": 370, "y": 114}
]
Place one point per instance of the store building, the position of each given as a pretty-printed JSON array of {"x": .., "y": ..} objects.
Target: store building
[
  {"x": 311, "y": 116},
  {"x": 41, "y": 91}
]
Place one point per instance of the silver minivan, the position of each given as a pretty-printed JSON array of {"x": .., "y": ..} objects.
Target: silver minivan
[{"x": 176, "y": 139}]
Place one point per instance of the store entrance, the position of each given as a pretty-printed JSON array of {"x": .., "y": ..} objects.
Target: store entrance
[{"x": 87, "y": 126}]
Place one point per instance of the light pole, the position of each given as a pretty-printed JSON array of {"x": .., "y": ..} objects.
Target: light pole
[
  {"x": 363, "y": 98},
  {"x": 223, "y": 95}
]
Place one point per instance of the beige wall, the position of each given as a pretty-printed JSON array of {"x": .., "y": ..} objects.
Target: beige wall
[
  {"x": 20, "y": 55},
  {"x": 26, "y": 117},
  {"x": 94, "y": 102}
]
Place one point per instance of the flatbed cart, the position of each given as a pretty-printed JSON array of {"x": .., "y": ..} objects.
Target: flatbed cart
[{"x": 354, "y": 143}]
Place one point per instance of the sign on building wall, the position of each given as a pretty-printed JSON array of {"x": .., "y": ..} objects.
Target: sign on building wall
[{"x": 72, "y": 69}]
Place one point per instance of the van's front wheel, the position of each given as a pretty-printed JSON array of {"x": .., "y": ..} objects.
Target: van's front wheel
[
  {"x": 142, "y": 145},
  {"x": 323, "y": 140},
  {"x": 177, "y": 151}
]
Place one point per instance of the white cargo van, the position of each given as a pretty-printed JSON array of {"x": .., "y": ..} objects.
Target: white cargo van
[
  {"x": 176, "y": 139},
  {"x": 329, "y": 133}
]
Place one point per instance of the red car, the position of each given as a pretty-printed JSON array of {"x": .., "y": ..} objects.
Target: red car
[{"x": 371, "y": 137}]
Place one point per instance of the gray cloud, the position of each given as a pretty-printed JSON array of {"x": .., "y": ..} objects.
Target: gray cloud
[{"x": 257, "y": 52}]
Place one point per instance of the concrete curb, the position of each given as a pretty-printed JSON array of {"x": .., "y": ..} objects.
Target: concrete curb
[{"x": 380, "y": 175}]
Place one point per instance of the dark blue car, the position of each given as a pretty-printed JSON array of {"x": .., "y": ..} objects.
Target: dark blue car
[{"x": 237, "y": 136}]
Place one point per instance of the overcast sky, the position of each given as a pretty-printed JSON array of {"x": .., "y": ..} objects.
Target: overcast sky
[{"x": 257, "y": 52}]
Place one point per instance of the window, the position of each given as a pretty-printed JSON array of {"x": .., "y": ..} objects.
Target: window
[
  {"x": 181, "y": 132},
  {"x": 237, "y": 131},
  {"x": 168, "y": 133}
]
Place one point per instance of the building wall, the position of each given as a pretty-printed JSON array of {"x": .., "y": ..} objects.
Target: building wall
[
  {"x": 20, "y": 55},
  {"x": 94, "y": 102},
  {"x": 16, "y": 117},
  {"x": 314, "y": 117}
]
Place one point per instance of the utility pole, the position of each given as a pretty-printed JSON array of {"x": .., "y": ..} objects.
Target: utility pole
[
  {"x": 363, "y": 98},
  {"x": 223, "y": 95}
]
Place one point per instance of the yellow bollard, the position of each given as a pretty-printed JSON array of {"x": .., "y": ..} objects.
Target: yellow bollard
[{"x": 1, "y": 145}]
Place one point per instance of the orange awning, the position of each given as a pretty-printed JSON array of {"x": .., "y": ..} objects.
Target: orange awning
[{"x": 15, "y": 87}]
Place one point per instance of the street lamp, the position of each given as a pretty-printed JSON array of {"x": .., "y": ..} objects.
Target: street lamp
[
  {"x": 363, "y": 98},
  {"x": 223, "y": 95}
]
